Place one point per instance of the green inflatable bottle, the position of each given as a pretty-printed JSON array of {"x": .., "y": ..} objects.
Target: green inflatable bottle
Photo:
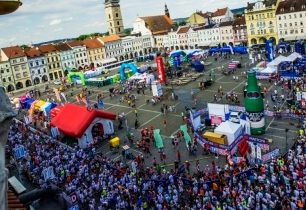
[{"x": 254, "y": 105}]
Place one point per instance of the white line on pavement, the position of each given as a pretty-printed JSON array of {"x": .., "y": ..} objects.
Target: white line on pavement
[{"x": 150, "y": 120}]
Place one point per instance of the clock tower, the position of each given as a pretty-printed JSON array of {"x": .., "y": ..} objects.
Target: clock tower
[{"x": 114, "y": 17}]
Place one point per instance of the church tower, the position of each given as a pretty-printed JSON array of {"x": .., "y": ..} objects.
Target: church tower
[
  {"x": 167, "y": 13},
  {"x": 114, "y": 17}
]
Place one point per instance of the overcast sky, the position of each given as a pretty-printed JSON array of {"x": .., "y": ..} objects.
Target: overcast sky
[{"x": 44, "y": 20}]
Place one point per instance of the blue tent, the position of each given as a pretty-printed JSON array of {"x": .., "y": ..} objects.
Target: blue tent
[
  {"x": 199, "y": 67},
  {"x": 241, "y": 50},
  {"x": 214, "y": 50}
]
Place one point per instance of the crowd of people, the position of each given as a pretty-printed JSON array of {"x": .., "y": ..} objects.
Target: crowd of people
[{"x": 101, "y": 183}]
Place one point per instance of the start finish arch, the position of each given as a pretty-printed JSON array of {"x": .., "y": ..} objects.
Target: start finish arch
[
  {"x": 76, "y": 74},
  {"x": 131, "y": 66}
]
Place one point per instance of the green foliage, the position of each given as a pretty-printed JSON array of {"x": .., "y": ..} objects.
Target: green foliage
[{"x": 24, "y": 46}]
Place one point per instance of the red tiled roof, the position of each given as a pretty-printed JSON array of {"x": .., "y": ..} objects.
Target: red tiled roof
[
  {"x": 48, "y": 48},
  {"x": 290, "y": 6},
  {"x": 62, "y": 47},
  {"x": 220, "y": 12},
  {"x": 75, "y": 43},
  {"x": 92, "y": 43},
  {"x": 110, "y": 38},
  {"x": 183, "y": 30},
  {"x": 33, "y": 52},
  {"x": 13, "y": 52},
  {"x": 158, "y": 24}
]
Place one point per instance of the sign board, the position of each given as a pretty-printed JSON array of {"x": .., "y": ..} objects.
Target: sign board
[
  {"x": 273, "y": 154},
  {"x": 20, "y": 152},
  {"x": 48, "y": 173},
  {"x": 157, "y": 89},
  {"x": 161, "y": 69}
]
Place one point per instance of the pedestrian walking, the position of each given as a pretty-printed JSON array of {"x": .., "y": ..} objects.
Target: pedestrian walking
[
  {"x": 136, "y": 123},
  {"x": 136, "y": 113},
  {"x": 165, "y": 122}
]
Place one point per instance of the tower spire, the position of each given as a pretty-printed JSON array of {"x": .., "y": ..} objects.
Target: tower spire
[{"x": 167, "y": 11}]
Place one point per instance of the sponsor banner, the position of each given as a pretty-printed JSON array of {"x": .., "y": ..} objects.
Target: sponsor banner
[
  {"x": 246, "y": 174},
  {"x": 161, "y": 70},
  {"x": 269, "y": 156}
]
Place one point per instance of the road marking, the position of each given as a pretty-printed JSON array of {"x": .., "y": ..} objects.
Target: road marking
[
  {"x": 270, "y": 124},
  {"x": 172, "y": 164},
  {"x": 151, "y": 120},
  {"x": 279, "y": 137},
  {"x": 145, "y": 110},
  {"x": 282, "y": 129}
]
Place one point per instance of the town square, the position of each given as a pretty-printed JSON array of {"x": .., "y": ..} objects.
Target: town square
[{"x": 167, "y": 111}]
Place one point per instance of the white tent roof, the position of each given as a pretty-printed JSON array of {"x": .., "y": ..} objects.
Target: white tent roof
[
  {"x": 269, "y": 70},
  {"x": 278, "y": 60},
  {"x": 228, "y": 127},
  {"x": 294, "y": 56}
]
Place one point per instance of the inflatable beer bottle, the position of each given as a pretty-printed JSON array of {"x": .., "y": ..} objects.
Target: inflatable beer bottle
[{"x": 254, "y": 105}]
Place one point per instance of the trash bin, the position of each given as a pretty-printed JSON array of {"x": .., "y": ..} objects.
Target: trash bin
[{"x": 114, "y": 142}]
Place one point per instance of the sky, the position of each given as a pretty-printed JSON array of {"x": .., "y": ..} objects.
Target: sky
[{"x": 44, "y": 20}]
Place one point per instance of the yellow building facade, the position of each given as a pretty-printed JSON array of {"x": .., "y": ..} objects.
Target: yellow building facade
[
  {"x": 198, "y": 18},
  {"x": 261, "y": 22}
]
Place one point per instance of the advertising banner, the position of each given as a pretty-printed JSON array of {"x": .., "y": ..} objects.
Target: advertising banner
[{"x": 161, "y": 70}]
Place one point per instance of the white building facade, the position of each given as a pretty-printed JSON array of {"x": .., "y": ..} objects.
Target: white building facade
[{"x": 291, "y": 20}]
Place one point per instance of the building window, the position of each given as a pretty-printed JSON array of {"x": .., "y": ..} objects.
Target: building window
[
  {"x": 118, "y": 23},
  {"x": 31, "y": 64},
  {"x": 37, "y": 63},
  {"x": 302, "y": 30},
  {"x": 279, "y": 18},
  {"x": 109, "y": 16},
  {"x": 3, "y": 80},
  {"x": 117, "y": 15},
  {"x": 110, "y": 23}
]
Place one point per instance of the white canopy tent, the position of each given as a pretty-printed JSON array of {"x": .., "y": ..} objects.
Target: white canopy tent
[
  {"x": 277, "y": 61},
  {"x": 293, "y": 56},
  {"x": 148, "y": 78},
  {"x": 230, "y": 129}
]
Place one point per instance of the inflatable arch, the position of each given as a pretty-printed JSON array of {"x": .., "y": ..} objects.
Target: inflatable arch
[
  {"x": 131, "y": 66},
  {"x": 76, "y": 74}
]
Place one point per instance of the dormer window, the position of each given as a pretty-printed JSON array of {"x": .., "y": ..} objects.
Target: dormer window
[
  {"x": 291, "y": 8},
  {"x": 303, "y": 6},
  {"x": 282, "y": 9}
]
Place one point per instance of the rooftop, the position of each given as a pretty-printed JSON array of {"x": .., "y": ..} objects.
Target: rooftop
[
  {"x": 33, "y": 52},
  {"x": 92, "y": 43},
  {"x": 13, "y": 52},
  {"x": 62, "y": 47},
  {"x": 158, "y": 24},
  {"x": 183, "y": 29},
  {"x": 290, "y": 6},
  {"x": 110, "y": 38},
  {"x": 48, "y": 48},
  {"x": 220, "y": 12}
]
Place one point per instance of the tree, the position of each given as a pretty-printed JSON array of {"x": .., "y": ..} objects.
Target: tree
[{"x": 24, "y": 46}]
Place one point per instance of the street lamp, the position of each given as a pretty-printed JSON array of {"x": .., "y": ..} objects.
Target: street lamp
[{"x": 286, "y": 130}]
